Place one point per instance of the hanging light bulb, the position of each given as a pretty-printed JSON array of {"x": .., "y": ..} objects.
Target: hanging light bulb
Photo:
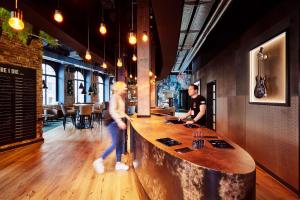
[
  {"x": 104, "y": 65},
  {"x": 132, "y": 38},
  {"x": 16, "y": 19},
  {"x": 150, "y": 73},
  {"x": 155, "y": 76},
  {"x": 145, "y": 36},
  {"x": 130, "y": 76},
  {"x": 88, "y": 55},
  {"x": 119, "y": 62},
  {"x": 134, "y": 58},
  {"x": 102, "y": 29},
  {"x": 135, "y": 78},
  {"x": 58, "y": 17}
]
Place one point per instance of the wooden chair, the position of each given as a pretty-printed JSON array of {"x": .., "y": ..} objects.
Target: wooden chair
[
  {"x": 97, "y": 113},
  {"x": 85, "y": 115},
  {"x": 67, "y": 113}
]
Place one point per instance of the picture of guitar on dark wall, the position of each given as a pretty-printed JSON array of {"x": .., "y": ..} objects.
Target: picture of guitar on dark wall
[
  {"x": 260, "y": 89},
  {"x": 268, "y": 73}
]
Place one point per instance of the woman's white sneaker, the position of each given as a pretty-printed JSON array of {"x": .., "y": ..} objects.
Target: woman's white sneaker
[
  {"x": 121, "y": 167},
  {"x": 98, "y": 166}
]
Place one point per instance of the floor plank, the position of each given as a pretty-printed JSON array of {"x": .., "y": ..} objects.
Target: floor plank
[{"x": 61, "y": 168}]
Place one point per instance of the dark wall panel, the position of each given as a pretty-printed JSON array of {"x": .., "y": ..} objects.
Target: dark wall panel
[{"x": 269, "y": 133}]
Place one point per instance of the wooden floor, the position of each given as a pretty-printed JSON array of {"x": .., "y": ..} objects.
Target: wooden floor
[{"x": 61, "y": 168}]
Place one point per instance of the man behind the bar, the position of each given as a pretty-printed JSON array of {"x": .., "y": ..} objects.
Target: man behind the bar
[{"x": 197, "y": 107}]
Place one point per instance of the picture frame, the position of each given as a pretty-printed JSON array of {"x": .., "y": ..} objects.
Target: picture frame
[{"x": 268, "y": 72}]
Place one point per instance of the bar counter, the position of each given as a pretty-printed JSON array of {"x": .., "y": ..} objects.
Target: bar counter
[{"x": 205, "y": 173}]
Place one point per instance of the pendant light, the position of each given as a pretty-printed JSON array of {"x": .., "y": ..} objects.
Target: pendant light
[
  {"x": 83, "y": 91},
  {"x": 135, "y": 78},
  {"x": 88, "y": 55},
  {"x": 150, "y": 73},
  {"x": 104, "y": 65},
  {"x": 16, "y": 19},
  {"x": 44, "y": 85},
  {"x": 102, "y": 28},
  {"x": 132, "y": 36},
  {"x": 58, "y": 17},
  {"x": 119, "y": 62},
  {"x": 134, "y": 58},
  {"x": 145, "y": 36},
  {"x": 81, "y": 86},
  {"x": 91, "y": 90}
]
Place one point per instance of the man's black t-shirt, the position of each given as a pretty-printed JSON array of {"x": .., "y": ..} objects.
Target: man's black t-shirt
[{"x": 195, "y": 108}]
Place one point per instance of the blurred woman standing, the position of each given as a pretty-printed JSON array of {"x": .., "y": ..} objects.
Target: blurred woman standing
[{"x": 117, "y": 113}]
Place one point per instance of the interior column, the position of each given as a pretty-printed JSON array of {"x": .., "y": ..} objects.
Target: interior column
[{"x": 143, "y": 62}]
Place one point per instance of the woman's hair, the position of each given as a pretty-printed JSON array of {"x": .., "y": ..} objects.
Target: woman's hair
[{"x": 119, "y": 86}]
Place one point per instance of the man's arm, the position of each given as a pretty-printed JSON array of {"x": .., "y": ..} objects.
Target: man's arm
[
  {"x": 201, "y": 113},
  {"x": 186, "y": 115}
]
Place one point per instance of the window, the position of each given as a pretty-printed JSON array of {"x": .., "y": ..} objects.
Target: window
[
  {"x": 78, "y": 79},
  {"x": 211, "y": 110},
  {"x": 100, "y": 89},
  {"x": 49, "y": 76},
  {"x": 111, "y": 82}
]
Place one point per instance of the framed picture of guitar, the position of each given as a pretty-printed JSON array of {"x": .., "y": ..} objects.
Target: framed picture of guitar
[{"x": 268, "y": 72}]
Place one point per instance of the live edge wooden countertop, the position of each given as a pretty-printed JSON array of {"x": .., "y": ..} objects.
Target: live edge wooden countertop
[{"x": 235, "y": 161}]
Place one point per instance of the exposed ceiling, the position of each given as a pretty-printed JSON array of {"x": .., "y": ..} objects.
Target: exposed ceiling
[
  {"x": 78, "y": 14},
  {"x": 194, "y": 15},
  {"x": 198, "y": 20}
]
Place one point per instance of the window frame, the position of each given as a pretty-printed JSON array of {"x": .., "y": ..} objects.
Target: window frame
[
  {"x": 77, "y": 82},
  {"x": 48, "y": 75}
]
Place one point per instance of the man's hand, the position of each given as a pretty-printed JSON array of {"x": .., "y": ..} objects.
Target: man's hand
[
  {"x": 181, "y": 118},
  {"x": 122, "y": 125},
  {"x": 130, "y": 119},
  {"x": 190, "y": 122}
]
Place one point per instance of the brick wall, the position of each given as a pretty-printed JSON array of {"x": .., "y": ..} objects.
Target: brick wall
[{"x": 13, "y": 52}]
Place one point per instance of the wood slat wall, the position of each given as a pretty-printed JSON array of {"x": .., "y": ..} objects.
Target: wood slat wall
[{"x": 17, "y": 104}]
